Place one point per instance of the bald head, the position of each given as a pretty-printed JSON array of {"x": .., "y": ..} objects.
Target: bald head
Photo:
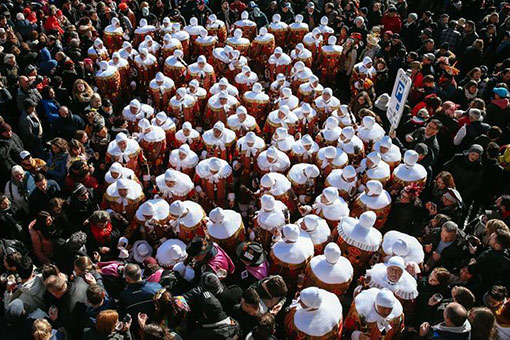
[
  {"x": 455, "y": 314},
  {"x": 23, "y": 82}
]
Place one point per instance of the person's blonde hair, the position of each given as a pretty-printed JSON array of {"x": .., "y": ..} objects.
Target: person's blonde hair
[{"x": 41, "y": 329}]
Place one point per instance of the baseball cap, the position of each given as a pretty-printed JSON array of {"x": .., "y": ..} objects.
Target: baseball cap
[{"x": 24, "y": 154}]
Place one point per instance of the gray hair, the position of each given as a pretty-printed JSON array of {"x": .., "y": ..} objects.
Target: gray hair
[
  {"x": 133, "y": 272},
  {"x": 450, "y": 227}
]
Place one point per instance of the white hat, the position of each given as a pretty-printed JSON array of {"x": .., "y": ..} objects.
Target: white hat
[
  {"x": 223, "y": 81},
  {"x": 400, "y": 248},
  {"x": 307, "y": 140},
  {"x": 280, "y": 76},
  {"x": 181, "y": 91},
  {"x": 271, "y": 152},
  {"x": 310, "y": 297},
  {"x": 262, "y": 31},
  {"x": 223, "y": 95},
  {"x": 170, "y": 252},
  {"x": 219, "y": 126},
  {"x": 284, "y": 109},
  {"x": 257, "y": 87},
  {"x": 267, "y": 202},
  {"x": 193, "y": 21},
  {"x": 250, "y": 137},
  {"x": 245, "y": 69},
  {"x": 349, "y": 172},
  {"x": 348, "y": 132},
  {"x": 367, "y": 219},
  {"x": 238, "y": 33},
  {"x": 282, "y": 132},
  {"x": 328, "y": 90},
  {"x": 375, "y": 157},
  {"x": 170, "y": 175},
  {"x": 299, "y": 18},
  {"x": 177, "y": 208},
  {"x": 123, "y": 183},
  {"x": 324, "y": 20},
  {"x": 161, "y": 116},
  {"x": 330, "y": 152},
  {"x": 241, "y": 109},
  {"x": 311, "y": 222},
  {"x": 277, "y": 18},
  {"x": 386, "y": 142},
  {"x": 244, "y": 15},
  {"x": 184, "y": 148},
  {"x": 141, "y": 250},
  {"x": 116, "y": 168},
  {"x": 24, "y": 154},
  {"x": 201, "y": 59},
  {"x": 194, "y": 83},
  {"x": 135, "y": 103},
  {"x": 374, "y": 187},
  {"x": 290, "y": 232},
  {"x": 330, "y": 193},
  {"x": 215, "y": 164},
  {"x": 144, "y": 124},
  {"x": 410, "y": 157},
  {"x": 103, "y": 65},
  {"x": 396, "y": 261},
  {"x": 217, "y": 215},
  {"x": 312, "y": 171},
  {"x": 331, "y": 122},
  {"x": 148, "y": 209},
  {"x": 385, "y": 298},
  {"x": 368, "y": 121},
  {"x": 160, "y": 76},
  {"x": 332, "y": 40},
  {"x": 266, "y": 181},
  {"x": 332, "y": 252},
  {"x": 121, "y": 137}
]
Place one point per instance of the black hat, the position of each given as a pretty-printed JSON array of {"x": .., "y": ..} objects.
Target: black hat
[
  {"x": 251, "y": 252},
  {"x": 199, "y": 246},
  {"x": 79, "y": 189},
  {"x": 427, "y": 31},
  {"x": 211, "y": 307},
  {"x": 421, "y": 148},
  {"x": 211, "y": 282},
  {"x": 445, "y": 45}
]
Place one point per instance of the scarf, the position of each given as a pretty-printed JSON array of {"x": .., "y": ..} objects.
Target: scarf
[{"x": 101, "y": 235}]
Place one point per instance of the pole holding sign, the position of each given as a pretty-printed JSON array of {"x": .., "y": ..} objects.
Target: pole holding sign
[{"x": 398, "y": 98}]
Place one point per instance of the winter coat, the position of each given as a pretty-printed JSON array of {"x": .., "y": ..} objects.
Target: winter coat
[
  {"x": 452, "y": 255},
  {"x": 9, "y": 154},
  {"x": 468, "y": 175},
  {"x": 18, "y": 193},
  {"x": 227, "y": 329},
  {"x": 57, "y": 167},
  {"x": 65, "y": 127}
]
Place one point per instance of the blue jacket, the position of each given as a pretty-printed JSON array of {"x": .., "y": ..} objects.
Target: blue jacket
[
  {"x": 57, "y": 167},
  {"x": 50, "y": 110},
  {"x": 137, "y": 298}
]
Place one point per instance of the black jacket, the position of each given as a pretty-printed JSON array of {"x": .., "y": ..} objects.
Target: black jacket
[
  {"x": 226, "y": 330},
  {"x": 494, "y": 268},
  {"x": 452, "y": 255},
  {"x": 9, "y": 155},
  {"x": 468, "y": 175}
]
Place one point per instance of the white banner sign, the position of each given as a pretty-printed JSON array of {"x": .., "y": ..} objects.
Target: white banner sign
[{"x": 398, "y": 98}]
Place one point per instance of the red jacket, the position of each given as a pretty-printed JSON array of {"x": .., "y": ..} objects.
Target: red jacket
[{"x": 393, "y": 24}]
